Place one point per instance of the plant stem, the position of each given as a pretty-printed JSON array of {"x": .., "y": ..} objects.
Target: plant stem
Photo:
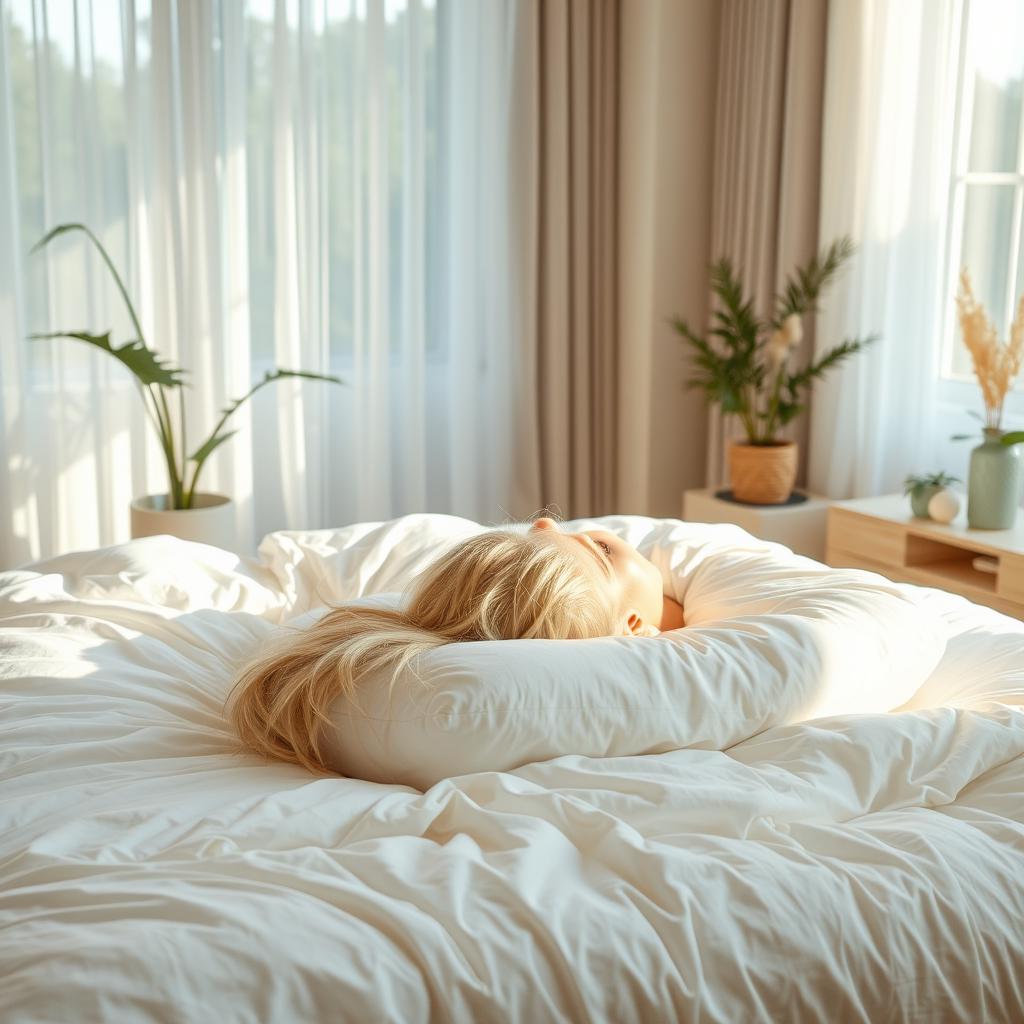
[
  {"x": 748, "y": 425},
  {"x": 163, "y": 423},
  {"x": 172, "y": 456},
  {"x": 184, "y": 444},
  {"x": 147, "y": 397},
  {"x": 752, "y": 412},
  {"x": 165, "y": 437},
  {"x": 773, "y": 405},
  {"x": 190, "y": 492},
  {"x": 117, "y": 280}
]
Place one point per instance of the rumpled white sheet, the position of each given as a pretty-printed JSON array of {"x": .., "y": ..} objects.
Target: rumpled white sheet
[{"x": 860, "y": 867}]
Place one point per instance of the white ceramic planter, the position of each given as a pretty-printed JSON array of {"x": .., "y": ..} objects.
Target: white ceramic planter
[{"x": 211, "y": 520}]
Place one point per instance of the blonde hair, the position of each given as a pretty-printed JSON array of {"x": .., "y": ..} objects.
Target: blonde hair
[{"x": 499, "y": 585}]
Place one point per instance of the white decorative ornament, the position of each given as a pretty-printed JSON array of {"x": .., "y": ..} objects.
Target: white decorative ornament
[
  {"x": 793, "y": 329},
  {"x": 777, "y": 348},
  {"x": 944, "y": 506}
]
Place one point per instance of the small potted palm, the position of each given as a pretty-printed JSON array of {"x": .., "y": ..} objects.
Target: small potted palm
[
  {"x": 184, "y": 511},
  {"x": 743, "y": 364}
]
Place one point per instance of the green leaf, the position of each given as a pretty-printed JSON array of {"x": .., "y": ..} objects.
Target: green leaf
[
  {"x": 731, "y": 401},
  {"x": 830, "y": 359},
  {"x": 214, "y": 441},
  {"x": 274, "y": 375},
  {"x": 804, "y": 286},
  {"x": 217, "y": 438},
  {"x": 62, "y": 229},
  {"x": 1013, "y": 437},
  {"x": 152, "y": 374},
  {"x": 268, "y": 378},
  {"x": 787, "y": 411},
  {"x": 688, "y": 334},
  {"x": 56, "y": 232},
  {"x": 737, "y": 326},
  {"x": 915, "y": 483},
  {"x": 143, "y": 362}
]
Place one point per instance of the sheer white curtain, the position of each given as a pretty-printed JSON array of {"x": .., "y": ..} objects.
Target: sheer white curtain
[
  {"x": 306, "y": 184},
  {"x": 889, "y": 114}
]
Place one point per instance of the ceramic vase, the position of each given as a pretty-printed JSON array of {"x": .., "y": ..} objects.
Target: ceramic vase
[
  {"x": 211, "y": 520},
  {"x": 993, "y": 484},
  {"x": 762, "y": 474}
]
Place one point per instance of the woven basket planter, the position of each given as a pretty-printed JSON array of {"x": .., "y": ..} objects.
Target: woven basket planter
[{"x": 762, "y": 474}]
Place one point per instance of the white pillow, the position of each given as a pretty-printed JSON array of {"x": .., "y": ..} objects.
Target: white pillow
[{"x": 772, "y": 638}]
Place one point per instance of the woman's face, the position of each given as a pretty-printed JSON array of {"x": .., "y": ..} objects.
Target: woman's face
[{"x": 632, "y": 583}]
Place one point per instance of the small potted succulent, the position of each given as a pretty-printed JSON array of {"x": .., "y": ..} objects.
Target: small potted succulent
[
  {"x": 921, "y": 489},
  {"x": 743, "y": 364},
  {"x": 184, "y": 511}
]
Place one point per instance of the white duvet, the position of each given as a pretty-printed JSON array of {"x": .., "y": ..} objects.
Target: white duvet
[{"x": 858, "y": 867}]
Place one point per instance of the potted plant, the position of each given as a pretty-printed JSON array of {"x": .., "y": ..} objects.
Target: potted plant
[
  {"x": 184, "y": 510},
  {"x": 995, "y": 474},
  {"x": 743, "y": 363},
  {"x": 921, "y": 490}
]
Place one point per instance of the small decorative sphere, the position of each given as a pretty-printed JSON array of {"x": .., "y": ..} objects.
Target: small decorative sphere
[{"x": 944, "y": 506}]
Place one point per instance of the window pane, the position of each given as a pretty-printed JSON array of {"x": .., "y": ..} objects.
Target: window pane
[
  {"x": 259, "y": 162},
  {"x": 69, "y": 164},
  {"x": 996, "y": 63},
  {"x": 1018, "y": 293},
  {"x": 988, "y": 222}
]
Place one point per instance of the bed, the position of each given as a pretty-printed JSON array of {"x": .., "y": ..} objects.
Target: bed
[{"x": 855, "y": 867}]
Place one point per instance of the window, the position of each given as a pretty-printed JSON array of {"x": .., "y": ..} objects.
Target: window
[
  {"x": 83, "y": 97},
  {"x": 987, "y": 185},
  {"x": 351, "y": 64}
]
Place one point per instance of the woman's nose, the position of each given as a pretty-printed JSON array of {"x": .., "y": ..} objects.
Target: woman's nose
[{"x": 544, "y": 523}]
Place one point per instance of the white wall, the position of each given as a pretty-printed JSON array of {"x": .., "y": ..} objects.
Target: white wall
[{"x": 667, "y": 103}]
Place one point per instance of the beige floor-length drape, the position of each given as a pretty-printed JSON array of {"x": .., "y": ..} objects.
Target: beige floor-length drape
[
  {"x": 564, "y": 224},
  {"x": 771, "y": 65}
]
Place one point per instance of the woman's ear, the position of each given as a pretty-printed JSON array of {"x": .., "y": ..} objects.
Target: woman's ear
[
  {"x": 633, "y": 622},
  {"x": 635, "y": 626}
]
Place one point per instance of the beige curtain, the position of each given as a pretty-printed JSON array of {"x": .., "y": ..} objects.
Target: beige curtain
[
  {"x": 771, "y": 63},
  {"x": 668, "y": 67},
  {"x": 564, "y": 222}
]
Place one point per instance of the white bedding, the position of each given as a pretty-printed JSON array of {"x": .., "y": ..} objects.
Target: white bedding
[{"x": 859, "y": 867}]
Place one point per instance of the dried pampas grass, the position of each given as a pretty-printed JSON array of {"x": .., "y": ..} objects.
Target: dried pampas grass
[{"x": 995, "y": 365}]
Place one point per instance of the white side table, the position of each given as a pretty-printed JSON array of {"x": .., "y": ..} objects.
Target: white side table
[{"x": 800, "y": 527}]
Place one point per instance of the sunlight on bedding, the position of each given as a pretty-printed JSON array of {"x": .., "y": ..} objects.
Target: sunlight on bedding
[{"x": 852, "y": 866}]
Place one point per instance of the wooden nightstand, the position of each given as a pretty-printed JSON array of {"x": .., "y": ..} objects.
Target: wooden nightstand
[
  {"x": 880, "y": 534},
  {"x": 800, "y": 527}
]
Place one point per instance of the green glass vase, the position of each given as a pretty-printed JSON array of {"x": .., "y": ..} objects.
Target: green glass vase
[{"x": 993, "y": 484}]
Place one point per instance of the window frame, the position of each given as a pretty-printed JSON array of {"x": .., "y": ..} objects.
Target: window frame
[{"x": 958, "y": 388}]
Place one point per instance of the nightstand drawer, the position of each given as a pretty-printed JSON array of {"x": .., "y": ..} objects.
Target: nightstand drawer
[
  {"x": 874, "y": 539},
  {"x": 1011, "y": 577}
]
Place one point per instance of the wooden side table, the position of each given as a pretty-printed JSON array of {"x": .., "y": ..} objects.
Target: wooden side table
[
  {"x": 882, "y": 535},
  {"x": 800, "y": 527}
]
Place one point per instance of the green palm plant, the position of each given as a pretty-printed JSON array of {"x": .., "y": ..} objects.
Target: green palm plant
[
  {"x": 156, "y": 379},
  {"x": 743, "y": 360}
]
